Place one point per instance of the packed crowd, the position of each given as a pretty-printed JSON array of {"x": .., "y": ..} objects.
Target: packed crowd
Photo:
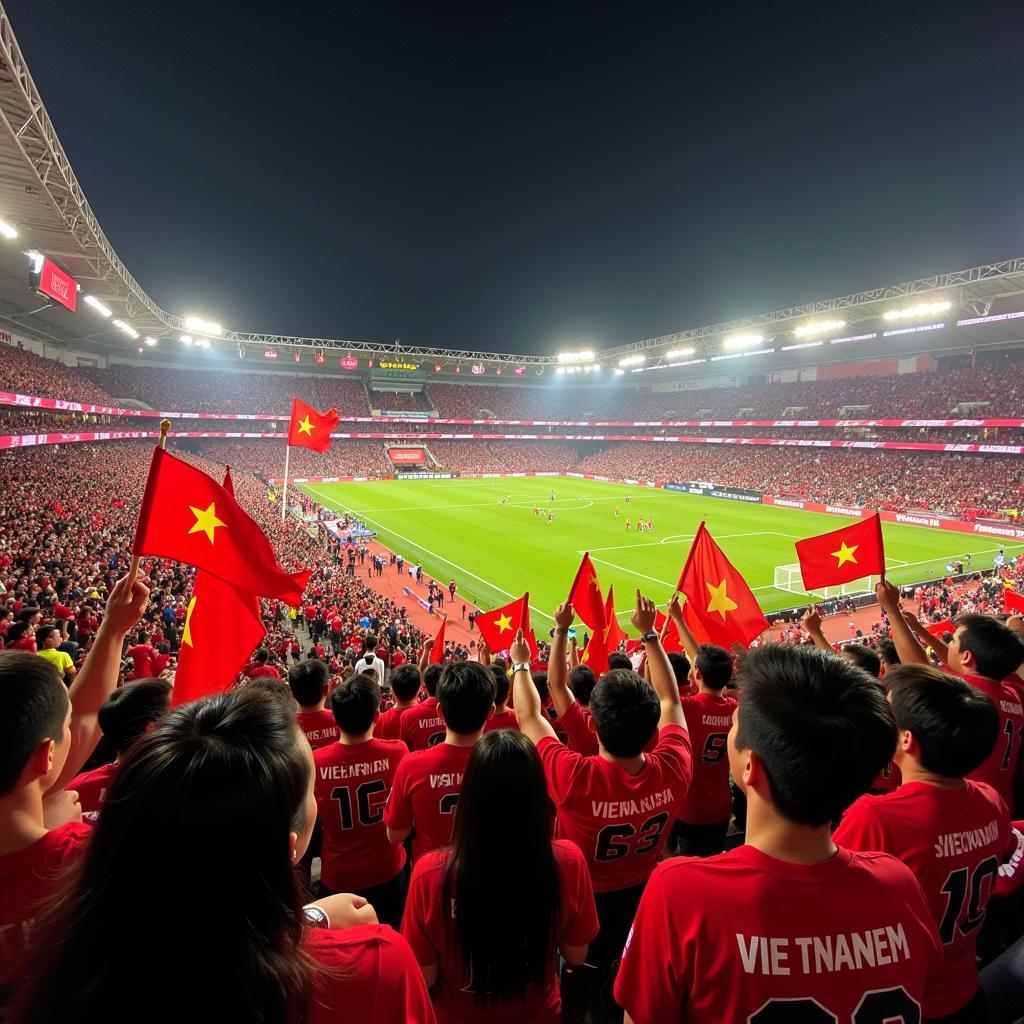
[{"x": 26, "y": 373}]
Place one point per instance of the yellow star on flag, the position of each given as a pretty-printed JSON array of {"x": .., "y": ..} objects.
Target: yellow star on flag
[
  {"x": 206, "y": 520},
  {"x": 845, "y": 554},
  {"x": 186, "y": 633},
  {"x": 504, "y": 623},
  {"x": 720, "y": 601},
  {"x": 306, "y": 427}
]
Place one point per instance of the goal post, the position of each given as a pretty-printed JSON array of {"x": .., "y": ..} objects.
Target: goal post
[{"x": 788, "y": 579}]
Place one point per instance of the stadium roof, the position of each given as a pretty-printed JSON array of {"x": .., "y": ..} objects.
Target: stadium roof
[{"x": 41, "y": 198}]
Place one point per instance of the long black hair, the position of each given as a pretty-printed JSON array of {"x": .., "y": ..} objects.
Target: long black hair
[
  {"x": 185, "y": 902},
  {"x": 504, "y": 816}
]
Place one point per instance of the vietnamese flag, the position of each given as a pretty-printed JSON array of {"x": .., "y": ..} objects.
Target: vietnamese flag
[
  {"x": 718, "y": 598},
  {"x": 585, "y": 596},
  {"x": 595, "y": 654},
  {"x": 842, "y": 556},
  {"x": 211, "y": 657},
  {"x": 437, "y": 651},
  {"x": 188, "y": 517},
  {"x": 614, "y": 634},
  {"x": 499, "y": 626},
  {"x": 938, "y": 628},
  {"x": 666, "y": 628},
  {"x": 1013, "y": 603},
  {"x": 309, "y": 428}
]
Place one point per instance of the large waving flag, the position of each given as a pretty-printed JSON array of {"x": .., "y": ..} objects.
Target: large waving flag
[
  {"x": 309, "y": 428},
  {"x": 614, "y": 634},
  {"x": 842, "y": 556},
  {"x": 211, "y": 656},
  {"x": 499, "y": 626},
  {"x": 585, "y": 596},
  {"x": 188, "y": 517},
  {"x": 437, "y": 651},
  {"x": 717, "y": 597}
]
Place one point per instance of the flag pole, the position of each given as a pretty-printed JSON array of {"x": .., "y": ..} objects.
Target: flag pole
[
  {"x": 133, "y": 571},
  {"x": 284, "y": 496}
]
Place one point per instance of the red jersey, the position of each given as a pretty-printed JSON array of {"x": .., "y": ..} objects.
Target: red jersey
[
  {"x": 745, "y": 937},
  {"x": 502, "y": 720},
  {"x": 953, "y": 841},
  {"x": 708, "y": 719},
  {"x": 141, "y": 655},
  {"x": 371, "y": 976},
  {"x": 352, "y": 785},
  {"x": 425, "y": 795},
  {"x": 389, "y": 724},
  {"x": 432, "y": 941},
  {"x": 319, "y": 727},
  {"x": 579, "y": 730},
  {"x": 619, "y": 821},
  {"x": 259, "y": 671},
  {"x": 92, "y": 787},
  {"x": 422, "y": 726},
  {"x": 998, "y": 769},
  {"x": 27, "y": 878}
]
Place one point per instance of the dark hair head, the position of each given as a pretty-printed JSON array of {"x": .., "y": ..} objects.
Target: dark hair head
[
  {"x": 997, "y": 649},
  {"x": 625, "y": 711},
  {"x": 43, "y": 634},
  {"x": 405, "y": 681},
  {"x": 33, "y": 709},
  {"x": 501, "y": 683},
  {"x": 143, "y": 637},
  {"x": 887, "y": 652},
  {"x": 714, "y": 664},
  {"x": 955, "y": 724},
  {"x": 355, "y": 702},
  {"x": 820, "y": 726},
  {"x": 369, "y": 643},
  {"x": 618, "y": 660},
  {"x": 308, "y": 681},
  {"x": 466, "y": 695},
  {"x": 864, "y": 658},
  {"x": 540, "y": 680},
  {"x": 504, "y": 815},
  {"x": 431, "y": 677},
  {"x": 680, "y": 668},
  {"x": 262, "y": 656},
  {"x": 582, "y": 682},
  {"x": 124, "y": 715},
  {"x": 216, "y": 788}
]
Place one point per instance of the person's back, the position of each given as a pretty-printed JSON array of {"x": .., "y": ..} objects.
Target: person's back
[
  {"x": 423, "y": 726},
  {"x": 951, "y": 833},
  {"x": 308, "y": 682},
  {"x": 788, "y": 927},
  {"x": 426, "y": 789},
  {"x": 405, "y": 685}
]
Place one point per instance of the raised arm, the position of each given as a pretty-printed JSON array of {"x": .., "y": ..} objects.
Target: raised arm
[
  {"x": 812, "y": 623},
  {"x": 561, "y": 696},
  {"x": 662, "y": 678},
  {"x": 423, "y": 661},
  {"x": 907, "y": 647},
  {"x": 690, "y": 645},
  {"x": 926, "y": 639},
  {"x": 525, "y": 698}
]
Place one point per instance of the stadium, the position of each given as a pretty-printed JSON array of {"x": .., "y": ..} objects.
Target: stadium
[{"x": 445, "y": 487}]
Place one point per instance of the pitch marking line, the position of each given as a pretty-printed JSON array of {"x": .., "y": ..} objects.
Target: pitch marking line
[{"x": 333, "y": 502}]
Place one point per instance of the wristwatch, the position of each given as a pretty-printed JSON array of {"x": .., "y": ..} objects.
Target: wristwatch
[
  {"x": 520, "y": 666},
  {"x": 316, "y": 916},
  {"x": 651, "y": 634}
]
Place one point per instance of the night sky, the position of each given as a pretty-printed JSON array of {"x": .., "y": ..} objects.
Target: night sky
[{"x": 526, "y": 177}]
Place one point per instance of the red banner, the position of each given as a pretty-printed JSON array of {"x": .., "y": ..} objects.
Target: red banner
[
  {"x": 57, "y": 285},
  {"x": 406, "y": 456}
]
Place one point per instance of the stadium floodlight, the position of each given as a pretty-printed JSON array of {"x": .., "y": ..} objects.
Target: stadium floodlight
[
  {"x": 586, "y": 356},
  {"x": 816, "y": 327},
  {"x": 743, "y": 341},
  {"x": 6, "y": 230},
  {"x": 150, "y": 340},
  {"x": 186, "y": 339},
  {"x": 127, "y": 328},
  {"x": 632, "y": 360},
  {"x": 98, "y": 306},
  {"x": 200, "y": 326},
  {"x": 922, "y": 309},
  {"x": 679, "y": 353}
]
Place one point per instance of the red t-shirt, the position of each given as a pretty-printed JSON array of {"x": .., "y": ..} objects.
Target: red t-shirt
[
  {"x": 352, "y": 786},
  {"x": 425, "y": 795},
  {"x": 502, "y": 720},
  {"x": 398, "y": 659},
  {"x": 141, "y": 655},
  {"x": 433, "y": 941},
  {"x": 953, "y": 841},
  {"x": 27, "y": 878},
  {"x": 422, "y": 725},
  {"x": 26, "y": 643},
  {"x": 708, "y": 719},
  {"x": 389, "y": 724},
  {"x": 888, "y": 779},
  {"x": 264, "y": 670},
  {"x": 745, "y": 937},
  {"x": 319, "y": 726},
  {"x": 371, "y": 977},
  {"x": 998, "y": 769},
  {"x": 92, "y": 786},
  {"x": 619, "y": 821}
]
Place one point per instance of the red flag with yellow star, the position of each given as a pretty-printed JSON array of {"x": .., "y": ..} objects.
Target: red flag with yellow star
[
  {"x": 595, "y": 654},
  {"x": 499, "y": 626},
  {"x": 842, "y": 556},
  {"x": 309, "y": 428},
  {"x": 717, "y": 596},
  {"x": 585, "y": 596},
  {"x": 614, "y": 634},
  {"x": 211, "y": 656},
  {"x": 437, "y": 651},
  {"x": 188, "y": 517}
]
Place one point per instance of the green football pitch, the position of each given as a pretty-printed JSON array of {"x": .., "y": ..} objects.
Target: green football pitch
[{"x": 461, "y": 529}]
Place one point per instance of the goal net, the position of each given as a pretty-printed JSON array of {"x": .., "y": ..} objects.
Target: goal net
[{"x": 788, "y": 578}]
